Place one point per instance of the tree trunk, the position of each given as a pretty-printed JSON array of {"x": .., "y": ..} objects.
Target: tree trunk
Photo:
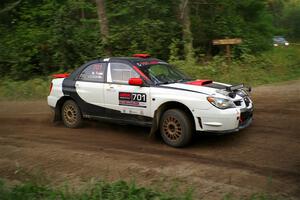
[
  {"x": 103, "y": 22},
  {"x": 187, "y": 37}
]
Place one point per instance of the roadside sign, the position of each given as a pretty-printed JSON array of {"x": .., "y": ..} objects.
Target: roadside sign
[{"x": 227, "y": 41}]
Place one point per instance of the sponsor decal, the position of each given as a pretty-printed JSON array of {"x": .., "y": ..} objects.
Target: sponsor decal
[{"x": 132, "y": 99}]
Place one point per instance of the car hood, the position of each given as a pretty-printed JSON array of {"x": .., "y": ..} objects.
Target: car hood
[{"x": 208, "y": 89}]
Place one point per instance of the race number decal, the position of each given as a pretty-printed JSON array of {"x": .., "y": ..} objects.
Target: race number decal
[{"x": 132, "y": 99}]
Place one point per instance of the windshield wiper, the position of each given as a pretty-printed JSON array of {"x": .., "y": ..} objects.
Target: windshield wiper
[
  {"x": 166, "y": 82},
  {"x": 174, "y": 81},
  {"x": 183, "y": 80}
]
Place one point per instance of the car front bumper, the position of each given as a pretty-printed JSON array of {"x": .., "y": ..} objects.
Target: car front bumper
[
  {"x": 224, "y": 121},
  {"x": 240, "y": 127}
]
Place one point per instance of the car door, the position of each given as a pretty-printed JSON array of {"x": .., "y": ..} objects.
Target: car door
[
  {"x": 129, "y": 100},
  {"x": 89, "y": 87}
]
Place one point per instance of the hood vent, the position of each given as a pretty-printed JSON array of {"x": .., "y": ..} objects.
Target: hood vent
[{"x": 199, "y": 82}]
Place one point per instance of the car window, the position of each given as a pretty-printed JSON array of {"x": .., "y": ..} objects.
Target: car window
[
  {"x": 164, "y": 73},
  {"x": 93, "y": 72},
  {"x": 121, "y": 73}
]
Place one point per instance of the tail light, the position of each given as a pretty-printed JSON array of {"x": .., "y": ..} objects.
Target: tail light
[{"x": 50, "y": 88}]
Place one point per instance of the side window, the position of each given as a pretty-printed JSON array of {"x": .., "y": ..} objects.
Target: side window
[
  {"x": 93, "y": 72},
  {"x": 121, "y": 73}
]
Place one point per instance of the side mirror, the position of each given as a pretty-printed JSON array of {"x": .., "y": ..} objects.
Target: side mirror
[{"x": 135, "y": 81}]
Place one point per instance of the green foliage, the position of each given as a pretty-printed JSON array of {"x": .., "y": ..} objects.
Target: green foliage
[
  {"x": 119, "y": 190},
  {"x": 36, "y": 88},
  {"x": 286, "y": 18},
  {"x": 291, "y": 21},
  {"x": 246, "y": 19},
  {"x": 101, "y": 190},
  {"x": 174, "y": 51},
  {"x": 277, "y": 64},
  {"x": 46, "y": 36},
  {"x": 40, "y": 37},
  {"x": 142, "y": 26}
]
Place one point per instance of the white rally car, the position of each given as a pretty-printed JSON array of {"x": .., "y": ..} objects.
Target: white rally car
[{"x": 149, "y": 92}]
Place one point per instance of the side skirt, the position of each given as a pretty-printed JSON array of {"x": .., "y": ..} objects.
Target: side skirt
[{"x": 120, "y": 121}]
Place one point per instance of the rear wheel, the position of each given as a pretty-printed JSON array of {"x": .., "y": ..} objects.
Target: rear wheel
[
  {"x": 176, "y": 128},
  {"x": 71, "y": 114}
]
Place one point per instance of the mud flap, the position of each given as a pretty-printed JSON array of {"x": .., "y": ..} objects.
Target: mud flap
[
  {"x": 155, "y": 126},
  {"x": 153, "y": 130},
  {"x": 56, "y": 116}
]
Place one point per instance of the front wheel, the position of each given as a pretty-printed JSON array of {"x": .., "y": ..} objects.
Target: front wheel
[
  {"x": 71, "y": 114},
  {"x": 176, "y": 128}
]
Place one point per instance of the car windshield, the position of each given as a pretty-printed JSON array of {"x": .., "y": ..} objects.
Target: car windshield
[
  {"x": 279, "y": 39},
  {"x": 163, "y": 74}
]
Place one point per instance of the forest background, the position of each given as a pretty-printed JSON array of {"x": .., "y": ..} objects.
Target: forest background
[{"x": 42, "y": 37}]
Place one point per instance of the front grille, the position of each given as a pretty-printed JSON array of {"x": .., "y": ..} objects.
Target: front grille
[
  {"x": 238, "y": 103},
  {"x": 247, "y": 101},
  {"x": 245, "y": 116}
]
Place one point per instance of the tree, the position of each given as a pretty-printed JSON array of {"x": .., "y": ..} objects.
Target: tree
[
  {"x": 184, "y": 17},
  {"x": 142, "y": 27},
  {"x": 39, "y": 37},
  {"x": 103, "y": 22},
  {"x": 246, "y": 19},
  {"x": 290, "y": 20}
]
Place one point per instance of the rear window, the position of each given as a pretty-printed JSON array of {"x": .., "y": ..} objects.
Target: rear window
[{"x": 93, "y": 72}]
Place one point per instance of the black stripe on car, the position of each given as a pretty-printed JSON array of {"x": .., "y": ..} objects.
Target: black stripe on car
[
  {"x": 98, "y": 112},
  {"x": 182, "y": 89}
]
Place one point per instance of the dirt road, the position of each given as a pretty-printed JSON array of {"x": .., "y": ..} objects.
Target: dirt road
[{"x": 264, "y": 157}]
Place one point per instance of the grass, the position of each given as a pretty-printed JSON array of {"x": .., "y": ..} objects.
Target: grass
[
  {"x": 37, "y": 88},
  {"x": 119, "y": 190},
  {"x": 278, "y": 64}
]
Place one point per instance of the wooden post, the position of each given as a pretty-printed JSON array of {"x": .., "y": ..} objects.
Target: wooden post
[{"x": 228, "y": 53}]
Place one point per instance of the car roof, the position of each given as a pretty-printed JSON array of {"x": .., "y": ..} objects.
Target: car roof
[
  {"x": 130, "y": 59},
  {"x": 136, "y": 61}
]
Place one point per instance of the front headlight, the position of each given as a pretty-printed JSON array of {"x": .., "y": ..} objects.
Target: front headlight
[{"x": 220, "y": 102}]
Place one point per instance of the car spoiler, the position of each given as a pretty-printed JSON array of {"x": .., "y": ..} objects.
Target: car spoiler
[{"x": 65, "y": 75}]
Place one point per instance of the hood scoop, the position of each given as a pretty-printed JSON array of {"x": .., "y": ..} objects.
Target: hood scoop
[{"x": 200, "y": 82}]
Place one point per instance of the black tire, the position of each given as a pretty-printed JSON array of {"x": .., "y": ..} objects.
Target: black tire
[
  {"x": 71, "y": 114},
  {"x": 176, "y": 128}
]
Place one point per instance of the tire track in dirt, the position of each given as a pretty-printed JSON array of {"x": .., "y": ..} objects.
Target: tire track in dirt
[
  {"x": 116, "y": 147},
  {"x": 269, "y": 148}
]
